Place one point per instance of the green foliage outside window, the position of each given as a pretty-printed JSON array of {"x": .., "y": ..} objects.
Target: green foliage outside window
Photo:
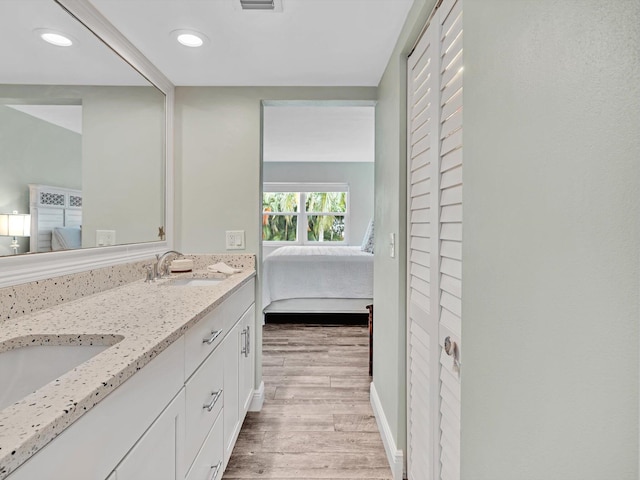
[
  {"x": 279, "y": 228},
  {"x": 325, "y": 222},
  {"x": 325, "y": 228}
]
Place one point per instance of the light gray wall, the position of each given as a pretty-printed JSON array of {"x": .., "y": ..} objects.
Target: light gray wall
[
  {"x": 358, "y": 175},
  {"x": 551, "y": 266},
  {"x": 122, "y": 147},
  {"x": 389, "y": 335},
  {"x": 551, "y": 240},
  {"x": 218, "y": 159},
  {"x": 218, "y": 164},
  {"x": 33, "y": 151},
  {"x": 123, "y": 167}
]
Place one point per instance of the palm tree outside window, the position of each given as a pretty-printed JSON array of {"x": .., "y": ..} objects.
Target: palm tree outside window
[{"x": 304, "y": 216}]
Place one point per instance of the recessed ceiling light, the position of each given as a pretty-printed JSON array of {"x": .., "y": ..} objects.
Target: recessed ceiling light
[
  {"x": 189, "y": 38},
  {"x": 55, "y": 38}
]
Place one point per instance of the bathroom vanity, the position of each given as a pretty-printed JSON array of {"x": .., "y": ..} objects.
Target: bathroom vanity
[
  {"x": 164, "y": 396},
  {"x": 104, "y": 376}
]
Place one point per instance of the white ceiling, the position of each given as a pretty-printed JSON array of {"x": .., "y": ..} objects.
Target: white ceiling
[
  {"x": 308, "y": 43},
  {"x": 319, "y": 133},
  {"x": 27, "y": 60}
]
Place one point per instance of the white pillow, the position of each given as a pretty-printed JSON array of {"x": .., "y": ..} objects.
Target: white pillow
[
  {"x": 64, "y": 238},
  {"x": 367, "y": 241}
]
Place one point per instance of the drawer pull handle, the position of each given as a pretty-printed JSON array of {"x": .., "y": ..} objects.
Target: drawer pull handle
[
  {"x": 214, "y": 334},
  {"x": 215, "y": 469},
  {"x": 214, "y": 399}
]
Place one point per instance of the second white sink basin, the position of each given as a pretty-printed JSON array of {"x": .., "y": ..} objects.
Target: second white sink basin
[{"x": 196, "y": 282}]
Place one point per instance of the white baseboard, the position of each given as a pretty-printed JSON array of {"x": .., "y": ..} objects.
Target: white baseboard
[
  {"x": 394, "y": 456},
  {"x": 258, "y": 399}
]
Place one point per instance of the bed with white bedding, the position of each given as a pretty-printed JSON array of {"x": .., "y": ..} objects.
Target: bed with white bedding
[
  {"x": 317, "y": 279},
  {"x": 56, "y": 218}
]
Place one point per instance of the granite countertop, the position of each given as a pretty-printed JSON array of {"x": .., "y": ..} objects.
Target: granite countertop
[{"x": 138, "y": 320}]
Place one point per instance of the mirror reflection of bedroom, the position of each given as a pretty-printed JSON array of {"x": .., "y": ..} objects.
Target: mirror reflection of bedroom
[{"x": 317, "y": 225}]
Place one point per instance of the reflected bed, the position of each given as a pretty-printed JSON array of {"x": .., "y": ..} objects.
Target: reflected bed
[{"x": 56, "y": 218}]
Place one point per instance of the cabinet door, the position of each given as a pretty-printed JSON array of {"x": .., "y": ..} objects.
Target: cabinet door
[
  {"x": 247, "y": 357},
  {"x": 231, "y": 410},
  {"x": 238, "y": 377},
  {"x": 157, "y": 455},
  {"x": 209, "y": 464}
]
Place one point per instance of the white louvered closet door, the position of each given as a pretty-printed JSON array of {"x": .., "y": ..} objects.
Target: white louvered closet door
[{"x": 434, "y": 218}]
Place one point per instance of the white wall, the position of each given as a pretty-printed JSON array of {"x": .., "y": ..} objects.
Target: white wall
[
  {"x": 551, "y": 240},
  {"x": 123, "y": 163},
  {"x": 358, "y": 175},
  {"x": 390, "y": 217}
]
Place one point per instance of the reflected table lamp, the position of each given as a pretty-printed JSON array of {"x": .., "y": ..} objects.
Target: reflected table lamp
[{"x": 15, "y": 225}]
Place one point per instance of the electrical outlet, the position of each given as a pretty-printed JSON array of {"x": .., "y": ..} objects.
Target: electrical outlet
[
  {"x": 105, "y": 237},
  {"x": 235, "y": 239}
]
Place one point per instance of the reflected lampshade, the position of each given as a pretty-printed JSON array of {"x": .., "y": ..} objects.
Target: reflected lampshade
[{"x": 15, "y": 224}]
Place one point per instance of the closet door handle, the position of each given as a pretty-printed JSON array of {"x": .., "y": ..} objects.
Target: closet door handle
[
  {"x": 214, "y": 334},
  {"x": 248, "y": 342},
  {"x": 214, "y": 399},
  {"x": 215, "y": 469},
  {"x": 451, "y": 349}
]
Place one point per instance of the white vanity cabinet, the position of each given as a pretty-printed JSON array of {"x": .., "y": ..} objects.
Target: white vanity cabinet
[
  {"x": 247, "y": 361},
  {"x": 97, "y": 442},
  {"x": 168, "y": 421},
  {"x": 238, "y": 377},
  {"x": 158, "y": 454}
]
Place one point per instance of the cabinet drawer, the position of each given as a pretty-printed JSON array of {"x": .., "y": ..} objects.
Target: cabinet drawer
[
  {"x": 202, "y": 338},
  {"x": 210, "y": 456},
  {"x": 204, "y": 399}
]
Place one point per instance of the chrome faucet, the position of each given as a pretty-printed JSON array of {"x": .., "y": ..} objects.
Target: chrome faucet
[{"x": 159, "y": 268}]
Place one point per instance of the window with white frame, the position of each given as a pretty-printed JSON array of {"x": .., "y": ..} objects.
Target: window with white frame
[{"x": 305, "y": 213}]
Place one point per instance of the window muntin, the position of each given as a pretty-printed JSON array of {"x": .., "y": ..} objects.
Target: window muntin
[{"x": 303, "y": 217}]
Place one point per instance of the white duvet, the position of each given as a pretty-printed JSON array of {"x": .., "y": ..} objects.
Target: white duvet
[{"x": 317, "y": 272}]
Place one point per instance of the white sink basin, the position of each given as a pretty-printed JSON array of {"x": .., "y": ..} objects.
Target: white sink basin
[
  {"x": 24, "y": 370},
  {"x": 195, "y": 282}
]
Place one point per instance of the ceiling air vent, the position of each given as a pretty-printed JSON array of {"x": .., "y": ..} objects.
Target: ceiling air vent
[{"x": 257, "y": 4}]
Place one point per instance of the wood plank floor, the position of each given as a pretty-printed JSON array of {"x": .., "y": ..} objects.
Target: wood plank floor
[{"x": 316, "y": 422}]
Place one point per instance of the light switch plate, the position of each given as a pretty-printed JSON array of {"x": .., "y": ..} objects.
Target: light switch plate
[
  {"x": 105, "y": 237},
  {"x": 235, "y": 239}
]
